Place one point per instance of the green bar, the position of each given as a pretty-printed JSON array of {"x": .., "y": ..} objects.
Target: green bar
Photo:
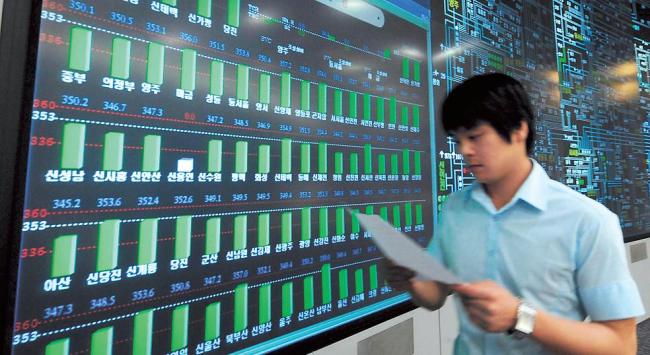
[
  {"x": 113, "y": 151},
  {"x": 215, "y": 153},
  {"x": 265, "y": 88},
  {"x": 72, "y": 146},
  {"x": 58, "y": 347},
  {"x": 353, "y": 105},
  {"x": 356, "y": 228},
  {"x": 340, "y": 221},
  {"x": 169, "y": 2},
  {"x": 418, "y": 163},
  {"x": 354, "y": 163},
  {"x": 263, "y": 229},
  {"x": 387, "y": 53},
  {"x": 241, "y": 307},
  {"x": 305, "y": 158},
  {"x": 151, "y": 153},
  {"x": 338, "y": 163},
  {"x": 322, "y": 158},
  {"x": 323, "y": 222},
  {"x": 392, "y": 119},
  {"x": 326, "y": 283},
  {"x": 308, "y": 293},
  {"x": 80, "y": 49},
  {"x": 264, "y": 159},
  {"x": 381, "y": 109},
  {"x": 101, "y": 342},
  {"x": 408, "y": 214},
  {"x": 242, "y": 82},
  {"x": 285, "y": 160},
  {"x": 233, "y": 13},
  {"x": 397, "y": 218},
  {"x": 418, "y": 214},
  {"x": 63, "y": 256},
  {"x": 264, "y": 304},
  {"x": 240, "y": 231},
  {"x": 367, "y": 159},
  {"x": 155, "y": 63},
  {"x": 322, "y": 97},
  {"x": 374, "y": 282},
  {"x": 213, "y": 236},
  {"x": 405, "y": 115},
  {"x": 405, "y": 68},
  {"x": 370, "y": 210},
  {"x": 212, "y": 321},
  {"x": 416, "y": 116},
  {"x": 394, "y": 164},
  {"x": 358, "y": 281},
  {"x": 416, "y": 70},
  {"x": 188, "y": 70},
  {"x": 204, "y": 8},
  {"x": 285, "y": 90},
  {"x": 343, "y": 284},
  {"x": 241, "y": 157},
  {"x": 121, "y": 58},
  {"x": 338, "y": 102},
  {"x": 183, "y": 241},
  {"x": 381, "y": 164},
  {"x": 367, "y": 104},
  {"x": 305, "y": 96},
  {"x": 143, "y": 332},
  {"x": 305, "y": 223},
  {"x": 147, "y": 241},
  {"x": 286, "y": 227},
  {"x": 216, "y": 78},
  {"x": 107, "y": 245},
  {"x": 287, "y": 299},
  {"x": 180, "y": 318},
  {"x": 383, "y": 213},
  {"x": 406, "y": 161}
]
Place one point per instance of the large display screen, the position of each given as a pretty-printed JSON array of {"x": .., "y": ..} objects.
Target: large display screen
[
  {"x": 194, "y": 167},
  {"x": 585, "y": 67}
]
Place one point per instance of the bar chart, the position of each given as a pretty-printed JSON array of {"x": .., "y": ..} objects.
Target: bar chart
[{"x": 195, "y": 168}]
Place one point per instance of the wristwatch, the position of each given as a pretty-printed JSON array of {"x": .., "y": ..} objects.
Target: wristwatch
[{"x": 525, "y": 321}]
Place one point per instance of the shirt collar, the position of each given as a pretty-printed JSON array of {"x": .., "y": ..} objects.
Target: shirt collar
[{"x": 532, "y": 191}]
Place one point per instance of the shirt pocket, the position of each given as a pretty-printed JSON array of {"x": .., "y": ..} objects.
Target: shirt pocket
[{"x": 555, "y": 289}]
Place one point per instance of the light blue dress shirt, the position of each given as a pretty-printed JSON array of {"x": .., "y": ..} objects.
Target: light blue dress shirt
[{"x": 551, "y": 246}]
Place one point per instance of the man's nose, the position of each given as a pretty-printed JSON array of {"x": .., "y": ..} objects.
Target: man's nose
[{"x": 465, "y": 148}]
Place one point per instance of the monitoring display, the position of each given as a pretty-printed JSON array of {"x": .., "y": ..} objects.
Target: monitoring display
[
  {"x": 194, "y": 166},
  {"x": 585, "y": 66}
]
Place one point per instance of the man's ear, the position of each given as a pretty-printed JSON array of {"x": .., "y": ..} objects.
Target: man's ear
[{"x": 520, "y": 134}]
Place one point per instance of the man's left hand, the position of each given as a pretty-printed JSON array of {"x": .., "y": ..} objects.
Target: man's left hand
[{"x": 488, "y": 305}]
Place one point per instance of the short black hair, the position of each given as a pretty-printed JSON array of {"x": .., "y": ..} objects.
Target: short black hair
[{"x": 496, "y": 99}]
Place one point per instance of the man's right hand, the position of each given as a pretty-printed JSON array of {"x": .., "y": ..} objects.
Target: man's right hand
[{"x": 398, "y": 277}]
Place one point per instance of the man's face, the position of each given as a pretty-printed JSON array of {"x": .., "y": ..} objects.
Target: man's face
[{"x": 487, "y": 155}]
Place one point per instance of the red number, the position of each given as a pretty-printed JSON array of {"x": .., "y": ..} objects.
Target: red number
[
  {"x": 190, "y": 116},
  {"x": 43, "y": 141},
  {"x": 36, "y": 213},
  {"x": 26, "y": 325},
  {"x": 46, "y": 104},
  {"x": 32, "y": 252}
]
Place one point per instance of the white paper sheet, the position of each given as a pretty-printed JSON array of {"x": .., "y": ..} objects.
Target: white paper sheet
[{"x": 403, "y": 251}]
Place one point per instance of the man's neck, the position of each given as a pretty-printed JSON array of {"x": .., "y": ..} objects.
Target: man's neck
[{"x": 503, "y": 190}]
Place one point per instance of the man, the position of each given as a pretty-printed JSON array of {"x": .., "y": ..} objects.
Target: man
[{"x": 538, "y": 257}]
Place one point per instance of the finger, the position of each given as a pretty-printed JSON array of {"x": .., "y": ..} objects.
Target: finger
[{"x": 475, "y": 290}]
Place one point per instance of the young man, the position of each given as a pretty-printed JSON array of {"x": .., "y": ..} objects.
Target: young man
[{"x": 538, "y": 257}]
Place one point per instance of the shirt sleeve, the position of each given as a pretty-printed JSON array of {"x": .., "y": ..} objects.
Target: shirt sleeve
[{"x": 605, "y": 285}]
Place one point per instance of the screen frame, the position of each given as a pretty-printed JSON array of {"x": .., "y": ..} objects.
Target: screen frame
[
  {"x": 19, "y": 33},
  {"x": 18, "y": 36}
]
